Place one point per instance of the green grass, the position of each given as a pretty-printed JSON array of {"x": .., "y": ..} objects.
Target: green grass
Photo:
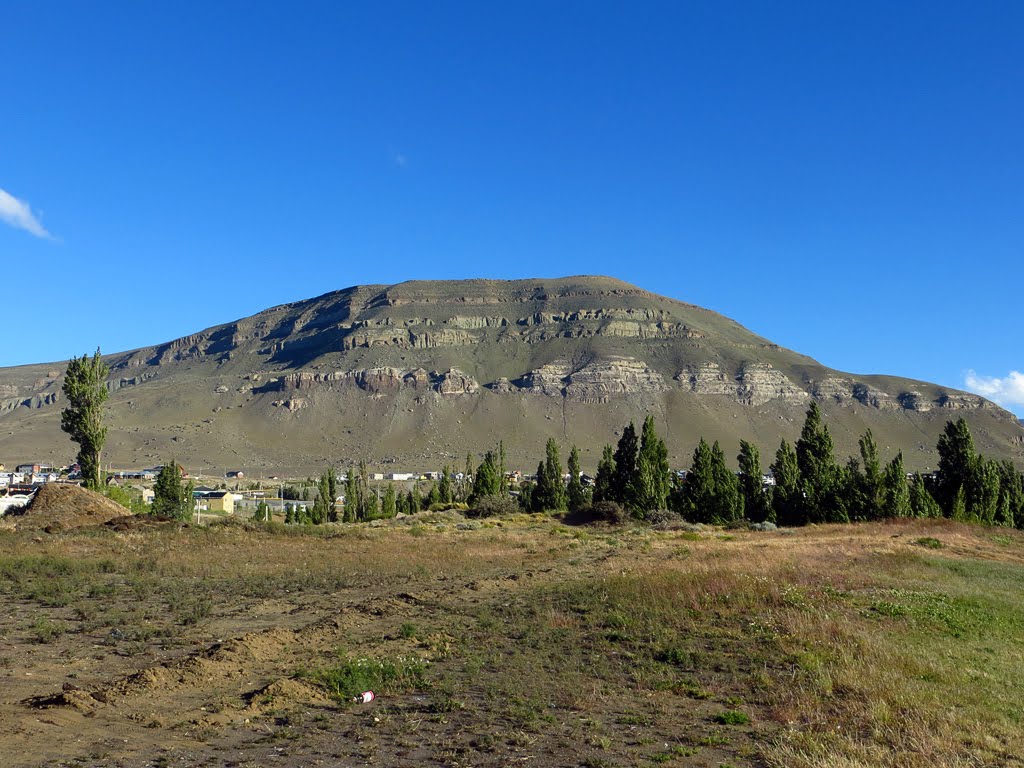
[
  {"x": 350, "y": 677},
  {"x": 732, "y": 717},
  {"x": 936, "y": 669}
]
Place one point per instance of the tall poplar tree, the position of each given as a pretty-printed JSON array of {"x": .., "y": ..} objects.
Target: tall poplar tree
[
  {"x": 85, "y": 386},
  {"x": 787, "y": 501},
  {"x": 710, "y": 493},
  {"x": 171, "y": 497},
  {"x": 351, "y": 508},
  {"x": 956, "y": 462},
  {"x": 625, "y": 467},
  {"x": 445, "y": 487},
  {"x": 549, "y": 493},
  {"x": 819, "y": 473},
  {"x": 895, "y": 492},
  {"x": 486, "y": 481},
  {"x": 576, "y": 494},
  {"x": 922, "y": 504},
  {"x": 870, "y": 482},
  {"x": 605, "y": 477},
  {"x": 648, "y": 489},
  {"x": 389, "y": 507},
  {"x": 756, "y": 504}
]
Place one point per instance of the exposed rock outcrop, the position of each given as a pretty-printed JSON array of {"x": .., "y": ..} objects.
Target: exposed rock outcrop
[
  {"x": 596, "y": 382},
  {"x": 602, "y": 380},
  {"x": 760, "y": 382},
  {"x": 292, "y": 404},
  {"x": 707, "y": 379},
  {"x": 755, "y": 384},
  {"x": 381, "y": 380},
  {"x": 455, "y": 382}
]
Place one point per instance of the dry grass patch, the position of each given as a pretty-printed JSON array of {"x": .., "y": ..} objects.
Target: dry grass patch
[{"x": 834, "y": 645}]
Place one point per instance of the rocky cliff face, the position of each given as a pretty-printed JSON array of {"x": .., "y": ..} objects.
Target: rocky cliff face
[{"x": 380, "y": 381}]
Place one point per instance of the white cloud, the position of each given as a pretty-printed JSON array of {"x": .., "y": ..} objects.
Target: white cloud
[
  {"x": 1005, "y": 391},
  {"x": 18, "y": 214}
]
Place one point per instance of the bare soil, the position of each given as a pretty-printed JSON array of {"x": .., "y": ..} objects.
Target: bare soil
[{"x": 60, "y": 506}]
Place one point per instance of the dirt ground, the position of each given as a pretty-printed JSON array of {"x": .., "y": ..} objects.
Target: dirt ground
[
  {"x": 59, "y": 506},
  {"x": 526, "y": 642}
]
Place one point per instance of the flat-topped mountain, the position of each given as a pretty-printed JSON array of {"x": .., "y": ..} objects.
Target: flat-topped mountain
[{"x": 420, "y": 373}]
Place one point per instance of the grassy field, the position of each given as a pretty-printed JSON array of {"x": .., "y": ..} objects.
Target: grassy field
[{"x": 514, "y": 641}]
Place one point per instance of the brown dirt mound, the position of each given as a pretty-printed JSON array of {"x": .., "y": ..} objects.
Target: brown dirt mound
[{"x": 57, "y": 506}]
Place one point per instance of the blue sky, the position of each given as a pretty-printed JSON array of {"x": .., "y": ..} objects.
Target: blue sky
[{"x": 846, "y": 179}]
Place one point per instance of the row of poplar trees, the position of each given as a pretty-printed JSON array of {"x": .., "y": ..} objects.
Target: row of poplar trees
[
  {"x": 634, "y": 474},
  {"x": 810, "y": 485}
]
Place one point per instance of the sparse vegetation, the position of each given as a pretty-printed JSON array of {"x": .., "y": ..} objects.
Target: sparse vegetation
[
  {"x": 350, "y": 677},
  {"x": 512, "y": 636}
]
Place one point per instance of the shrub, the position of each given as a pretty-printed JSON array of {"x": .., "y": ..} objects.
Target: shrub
[
  {"x": 445, "y": 506},
  {"x": 661, "y": 517},
  {"x": 609, "y": 512},
  {"x": 493, "y": 505},
  {"x": 732, "y": 717}
]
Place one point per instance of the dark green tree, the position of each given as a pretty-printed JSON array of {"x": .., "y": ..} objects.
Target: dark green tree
[
  {"x": 549, "y": 493},
  {"x": 487, "y": 480},
  {"x": 863, "y": 489},
  {"x": 172, "y": 497},
  {"x": 371, "y": 506},
  {"x": 1011, "y": 496},
  {"x": 445, "y": 488},
  {"x": 787, "y": 498},
  {"x": 921, "y": 502},
  {"x": 526, "y": 496},
  {"x": 85, "y": 387},
  {"x": 982, "y": 490},
  {"x": 819, "y": 473},
  {"x": 711, "y": 493},
  {"x": 323, "y": 502},
  {"x": 332, "y": 495},
  {"x": 433, "y": 496},
  {"x": 263, "y": 514},
  {"x": 959, "y": 509},
  {"x": 414, "y": 501},
  {"x": 895, "y": 492},
  {"x": 351, "y": 509},
  {"x": 576, "y": 495},
  {"x": 957, "y": 459},
  {"x": 389, "y": 506},
  {"x": 605, "y": 478},
  {"x": 625, "y": 467},
  {"x": 650, "y": 484},
  {"x": 756, "y": 502}
]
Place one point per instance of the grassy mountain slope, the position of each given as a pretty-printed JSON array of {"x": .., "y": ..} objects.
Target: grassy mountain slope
[{"x": 421, "y": 372}]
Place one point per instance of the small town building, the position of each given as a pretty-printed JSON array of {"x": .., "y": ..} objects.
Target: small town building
[{"x": 221, "y": 501}]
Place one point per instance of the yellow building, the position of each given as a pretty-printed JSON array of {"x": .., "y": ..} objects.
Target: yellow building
[{"x": 221, "y": 501}]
